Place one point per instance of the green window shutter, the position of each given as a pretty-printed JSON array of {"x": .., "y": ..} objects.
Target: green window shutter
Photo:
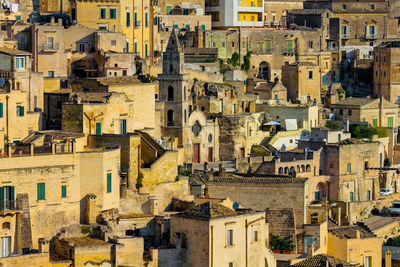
[
  {"x": 98, "y": 128},
  {"x": 348, "y": 168},
  {"x": 63, "y": 191},
  {"x": 186, "y": 12},
  {"x": 203, "y": 27},
  {"x": 11, "y": 197},
  {"x": 351, "y": 197},
  {"x": 22, "y": 111},
  {"x": 1, "y": 110},
  {"x": 109, "y": 181},
  {"x": 102, "y": 28},
  {"x": 175, "y": 26},
  {"x": 1, "y": 198},
  {"x": 146, "y": 19},
  {"x": 103, "y": 13},
  {"x": 290, "y": 46},
  {"x": 113, "y": 13},
  {"x": 41, "y": 191},
  {"x": 261, "y": 47},
  {"x": 128, "y": 19},
  {"x": 316, "y": 195},
  {"x": 169, "y": 10},
  {"x": 127, "y": 47},
  {"x": 375, "y": 122},
  {"x": 135, "y": 19},
  {"x": 188, "y": 26},
  {"x": 390, "y": 122},
  {"x": 135, "y": 47},
  {"x": 269, "y": 46},
  {"x": 244, "y": 45},
  {"x": 145, "y": 49}
]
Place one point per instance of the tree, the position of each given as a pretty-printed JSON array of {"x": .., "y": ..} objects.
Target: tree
[
  {"x": 363, "y": 131},
  {"x": 234, "y": 60},
  {"x": 246, "y": 61}
]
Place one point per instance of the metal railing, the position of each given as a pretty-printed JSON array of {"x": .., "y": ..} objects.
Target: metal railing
[{"x": 50, "y": 47}]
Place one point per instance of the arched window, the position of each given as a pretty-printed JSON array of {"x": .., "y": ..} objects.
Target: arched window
[
  {"x": 286, "y": 170},
  {"x": 280, "y": 170},
  {"x": 170, "y": 118},
  {"x": 170, "y": 93},
  {"x": 303, "y": 168},
  {"x": 6, "y": 225},
  {"x": 308, "y": 168}
]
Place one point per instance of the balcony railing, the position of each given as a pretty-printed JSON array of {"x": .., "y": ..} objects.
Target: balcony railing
[
  {"x": 50, "y": 47},
  {"x": 370, "y": 36},
  {"x": 346, "y": 36},
  {"x": 137, "y": 23}
]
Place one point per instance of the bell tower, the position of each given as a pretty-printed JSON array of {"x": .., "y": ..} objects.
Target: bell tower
[{"x": 174, "y": 89}]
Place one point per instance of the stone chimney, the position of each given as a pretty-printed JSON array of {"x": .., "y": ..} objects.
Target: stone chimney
[
  {"x": 388, "y": 258},
  {"x": 358, "y": 234},
  {"x": 346, "y": 125},
  {"x": 44, "y": 246},
  {"x": 221, "y": 172},
  {"x": 309, "y": 250},
  {"x": 153, "y": 206},
  {"x": 91, "y": 210}
]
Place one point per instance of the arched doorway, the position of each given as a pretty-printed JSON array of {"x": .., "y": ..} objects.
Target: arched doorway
[
  {"x": 320, "y": 191},
  {"x": 264, "y": 71}
]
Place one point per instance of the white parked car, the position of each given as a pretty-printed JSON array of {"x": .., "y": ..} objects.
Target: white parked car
[
  {"x": 395, "y": 209},
  {"x": 385, "y": 192}
]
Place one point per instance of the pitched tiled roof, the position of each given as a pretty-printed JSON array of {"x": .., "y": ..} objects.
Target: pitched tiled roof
[
  {"x": 320, "y": 261},
  {"x": 362, "y": 101},
  {"x": 257, "y": 179},
  {"x": 207, "y": 211}
]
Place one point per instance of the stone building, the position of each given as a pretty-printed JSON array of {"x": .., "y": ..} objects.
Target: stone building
[
  {"x": 54, "y": 189},
  {"x": 303, "y": 82},
  {"x": 281, "y": 194},
  {"x": 222, "y": 236},
  {"x": 377, "y": 112},
  {"x": 275, "y": 11},
  {"x": 21, "y": 97},
  {"x": 238, "y": 133},
  {"x": 386, "y": 74},
  {"x": 196, "y": 133},
  {"x": 133, "y": 19}
]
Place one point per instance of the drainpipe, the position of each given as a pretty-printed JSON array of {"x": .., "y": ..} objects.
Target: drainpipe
[
  {"x": 7, "y": 113},
  {"x": 212, "y": 246}
]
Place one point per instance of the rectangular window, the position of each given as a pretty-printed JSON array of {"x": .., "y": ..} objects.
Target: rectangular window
[
  {"x": 316, "y": 195},
  {"x": 123, "y": 126},
  {"x": 203, "y": 27},
  {"x": 7, "y": 198},
  {"x": 310, "y": 45},
  {"x": 113, "y": 13},
  {"x": 20, "y": 111},
  {"x": 351, "y": 197},
  {"x": 290, "y": 46},
  {"x": 261, "y": 47},
  {"x": 145, "y": 50},
  {"x": 82, "y": 46},
  {"x": 244, "y": 44},
  {"x": 310, "y": 75},
  {"x": 348, "y": 168},
  {"x": 50, "y": 74},
  {"x": 103, "y": 28},
  {"x": 135, "y": 19},
  {"x": 366, "y": 165},
  {"x": 268, "y": 47},
  {"x": 146, "y": 19},
  {"x": 368, "y": 261},
  {"x": 344, "y": 7},
  {"x": 103, "y": 13},
  {"x": 390, "y": 122},
  {"x": 1, "y": 109},
  {"x": 368, "y": 195},
  {"x": 98, "y": 128},
  {"x": 375, "y": 122},
  {"x": 5, "y": 246},
  {"x": 63, "y": 191},
  {"x": 230, "y": 264},
  {"x": 109, "y": 182},
  {"x": 175, "y": 26},
  {"x": 339, "y": 137},
  {"x": 349, "y": 112},
  {"x": 128, "y": 19},
  {"x": 229, "y": 237},
  {"x": 41, "y": 191},
  {"x": 135, "y": 47},
  {"x": 20, "y": 63},
  {"x": 340, "y": 111},
  {"x": 255, "y": 236},
  {"x": 113, "y": 42}
]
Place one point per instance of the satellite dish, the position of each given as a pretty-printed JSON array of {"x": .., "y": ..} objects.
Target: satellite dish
[
  {"x": 2, "y": 82},
  {"x": 235, "y": 206}
]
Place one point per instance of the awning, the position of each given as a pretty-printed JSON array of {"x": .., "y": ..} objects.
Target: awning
[{"x": 270, "y": 123}]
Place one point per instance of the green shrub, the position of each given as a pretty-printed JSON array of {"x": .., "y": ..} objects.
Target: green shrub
[
  {"x": 285, "y": 243},
  {"x": 382, "y": 132},
  {"x": 86, "y": 229},
  {"x": 333, "y": 125},
  {"x": 363, "y": 131}
]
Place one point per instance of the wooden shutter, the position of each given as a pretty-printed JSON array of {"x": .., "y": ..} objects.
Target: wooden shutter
[
  {"x": 63, "y": 191},
  {"x": 1, "y": 110},
  {"x": 1, "y": 198},
  {"x": 11, "y": 198},
  {"x": 109, "y": 181}
]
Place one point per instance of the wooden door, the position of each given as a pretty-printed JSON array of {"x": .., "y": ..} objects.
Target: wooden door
[
  {"x": 210, "y": 154},
  {"x": 196, "y": 153}
]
